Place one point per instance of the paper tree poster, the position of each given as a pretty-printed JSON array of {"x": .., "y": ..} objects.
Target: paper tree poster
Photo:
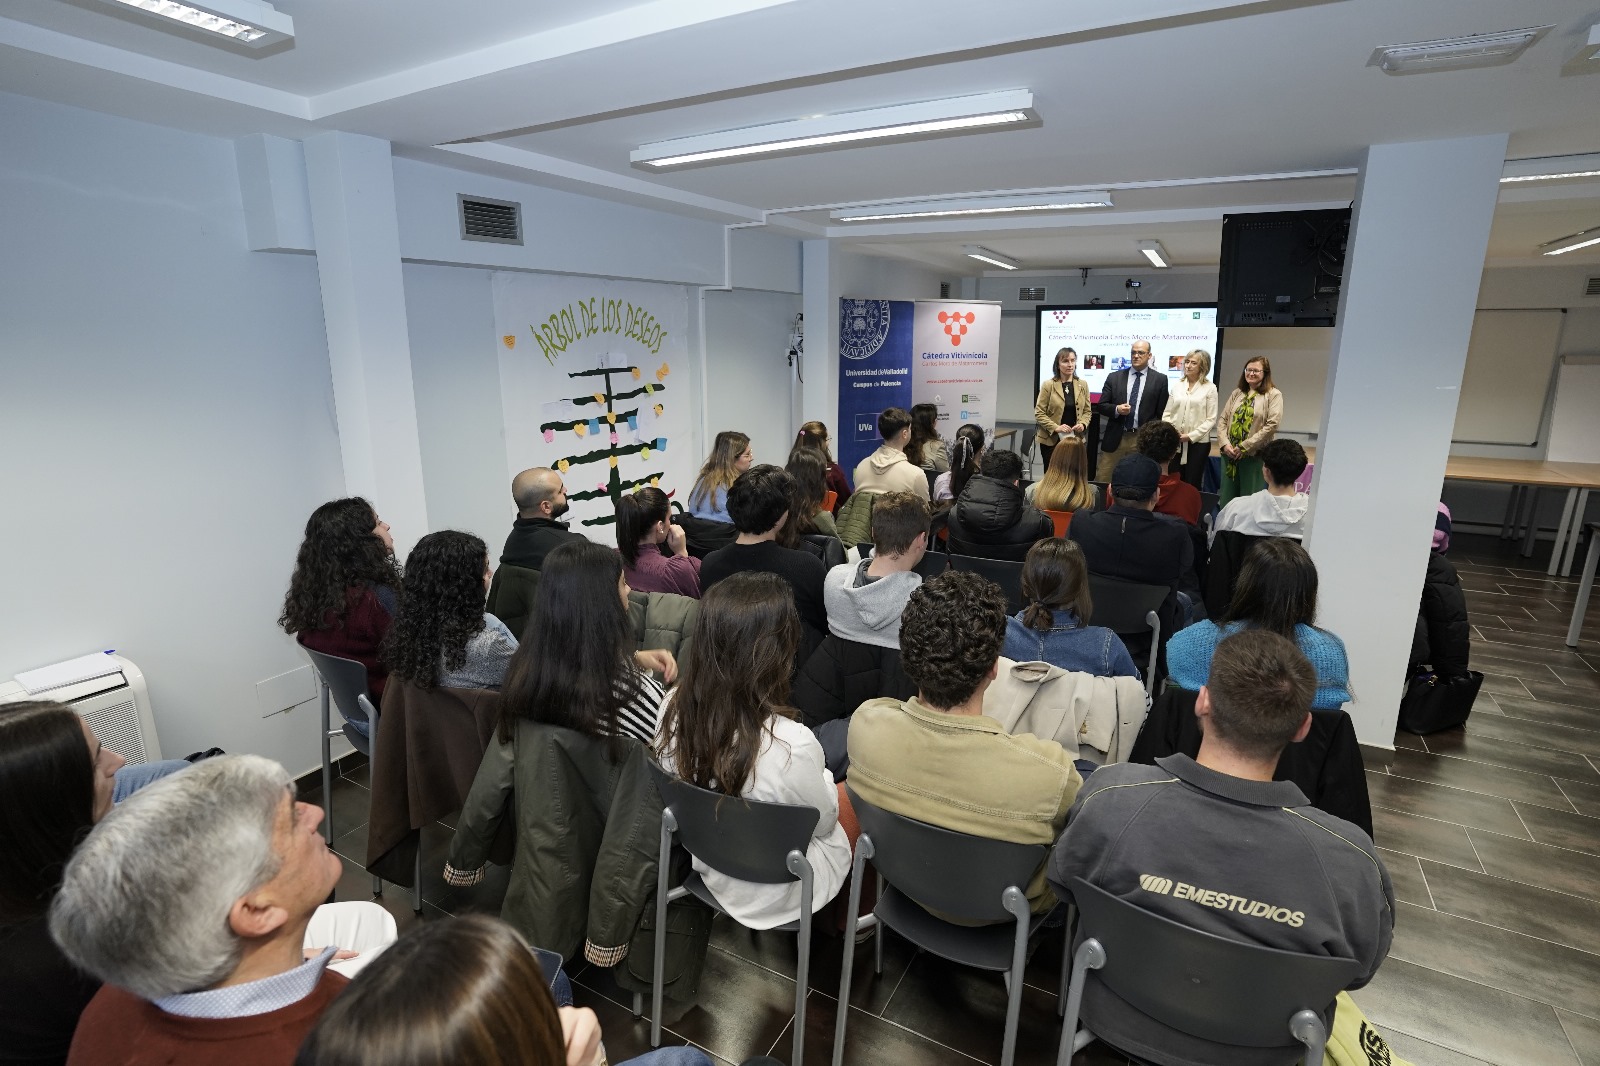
[{"x": 594, "y": 383}]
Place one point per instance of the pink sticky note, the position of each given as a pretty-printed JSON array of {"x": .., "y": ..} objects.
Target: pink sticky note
[
  {"x": 613, "y": 437},
  {"x": 549, "y": 436}
]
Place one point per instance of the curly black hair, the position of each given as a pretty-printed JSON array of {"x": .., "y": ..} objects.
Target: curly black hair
[
  {"x": 950, "y": 636},
  {"x": 441, "y": 607},
  {"x": 340, "y": 551}
]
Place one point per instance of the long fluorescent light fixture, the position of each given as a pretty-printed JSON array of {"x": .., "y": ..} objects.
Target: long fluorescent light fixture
[
  {"x": 978, "y": 205},
  {"x": 1155, "y": 253},
  {"x": 962, "y": 114},
  {"x": 1565, "y": 247},
  {"x": 1453, "y": 53},
  {"x": 1552, "y": 168},
  {"x": 977, "y": 251},
  {"x": 249, "y": 22}
]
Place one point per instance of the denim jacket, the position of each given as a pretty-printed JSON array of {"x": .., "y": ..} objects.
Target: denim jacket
[{"x": 1070, "y": 645}]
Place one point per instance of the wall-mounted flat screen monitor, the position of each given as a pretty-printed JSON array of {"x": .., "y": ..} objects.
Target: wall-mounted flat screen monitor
[{"x": 1103, "y": 335}]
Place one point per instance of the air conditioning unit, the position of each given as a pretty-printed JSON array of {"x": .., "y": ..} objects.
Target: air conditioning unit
[{"x": 115, "y": 701}]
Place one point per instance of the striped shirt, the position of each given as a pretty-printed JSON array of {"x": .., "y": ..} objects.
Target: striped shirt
[{"x": 639, "y": 717}]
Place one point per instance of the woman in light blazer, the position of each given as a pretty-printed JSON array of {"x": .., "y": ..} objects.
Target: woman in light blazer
[
  {"x": 1051, "y": 411},
  {"x": 1192, "y": 410},
  {"x": 1249, "y": 421}
]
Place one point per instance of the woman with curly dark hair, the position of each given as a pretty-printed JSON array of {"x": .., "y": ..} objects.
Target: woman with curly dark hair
[
  {"x": 442, "y": 636},
  {"x": 342, "y": 595}
]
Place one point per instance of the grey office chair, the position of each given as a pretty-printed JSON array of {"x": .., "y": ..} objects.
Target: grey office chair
[
  {"x": 1006, "y": 573},
  {"x": 1127, "y": 607}
]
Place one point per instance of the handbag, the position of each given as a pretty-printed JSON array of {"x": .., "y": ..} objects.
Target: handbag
[{"x": 1432, "y": 703}]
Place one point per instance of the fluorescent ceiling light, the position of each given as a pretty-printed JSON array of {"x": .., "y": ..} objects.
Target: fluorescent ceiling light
[
  {"x": 1553, "y": 177},
  {"x": 1012, "y": 108},
  {"x": 1453, "y": 53},
  {"x": 979, "y": 205},
  {"x": 1552, "y": 168},
  {"x": 1155, "y": 253},
  {"x": 250, "y": 22},
  {"x": 1591, "y": 47},
  {"x": 1572, "y": 247},
  {"x": 977, "y": 251}
]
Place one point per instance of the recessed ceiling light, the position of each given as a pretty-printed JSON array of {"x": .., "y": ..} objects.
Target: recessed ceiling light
[
  {"x": 1453, "y": 53},
  {"x": 977, "y": 251},
  {"x": 1155, "y": 253},
  {"x": 251, "y": 22},
  {"x": 976, "y": 205},
  {"x": 1013, "y": 108},
  {"x": 1572, "y": 242}
]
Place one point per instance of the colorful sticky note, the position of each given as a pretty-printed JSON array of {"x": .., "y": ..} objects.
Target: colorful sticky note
[
  {"x": 600, "y": 486},
  {"x": 594, "y": 425},
  {"x": 661, "y": 444},
  {"x": 580, "y": 429},
  {"x": 633, "y": 421},
  {"x": 599, "y": 397},
  {"x": 511, "y": 342},
  {"x": 613, "y": 462},
  {"x": 611, "y": 417},
  {"x": 644, "y": 453},
  {"x": 635, "y": 372},
  {"x": 613, "y": 436},
  {"x": 549, "y": 436},
  {"x": 562, "y": 465},
  {"x": 655, "y": 481},
  {"x": 663, "y": 371},
  {"x": 648, "y": 389}
]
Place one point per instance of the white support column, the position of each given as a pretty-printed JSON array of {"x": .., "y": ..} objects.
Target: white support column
[
  {"x": 819, "y": 395},
  {"x": 354, "y": 220},
  {"x": 1411, "y": 280}
]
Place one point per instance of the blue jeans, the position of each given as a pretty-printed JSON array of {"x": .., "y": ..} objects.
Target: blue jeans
[
  {"x": 133, "y": 777},
  {"x": 670, "y": 1056}
]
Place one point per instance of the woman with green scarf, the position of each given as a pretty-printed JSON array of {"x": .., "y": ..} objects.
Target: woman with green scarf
[{"x": 1249, "y": 421}]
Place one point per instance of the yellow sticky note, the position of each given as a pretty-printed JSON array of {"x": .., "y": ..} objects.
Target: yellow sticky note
[
  {"x": 612, "y": 418},
  {"x": 562, "y": 465},
  {"x": 649, "y": 389},
  {"x": 511, "y": 342},
  {"x": 655, "y": 481},
  {"x": 599, "y": 397},
  {"x": 580, "y": 429},
  {"x": 644, "y": 453},
  {"x": 636, "y": 373},
  {"x": 613, "y": 462}
]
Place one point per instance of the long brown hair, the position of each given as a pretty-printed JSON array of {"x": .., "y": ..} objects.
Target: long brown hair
[
  {"x": 46, "y": 801},
  {"x": 1277, "y": 588},
  {"x": 1266, "y": 374},
  {"x": 733, "y": 680},
  {"x": 719, "y": 471},
  {"x": 1055, "y": 576},
  {"x": 813, "y": 435},
  {"x": 457, "y": 990},
  {"x": 1065, "y": 485},
  {"x": 637, "y": 514}
]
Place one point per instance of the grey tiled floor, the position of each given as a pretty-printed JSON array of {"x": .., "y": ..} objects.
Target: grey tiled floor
[{"x": 1492, "y": 835}]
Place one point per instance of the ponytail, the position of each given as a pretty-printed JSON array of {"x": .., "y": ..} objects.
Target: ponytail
[{"x": 636, "y": 513}]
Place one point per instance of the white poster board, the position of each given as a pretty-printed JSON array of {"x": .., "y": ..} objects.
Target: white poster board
[
  {"x": 1574, "y": 437},
  {"x": 956, "y": 361}
]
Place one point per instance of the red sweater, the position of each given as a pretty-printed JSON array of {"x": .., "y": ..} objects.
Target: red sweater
[
  {"x": 120, "y": 1029},
  {"x": 1174, "y": 496},
  {"x": 357, "y": 635}
]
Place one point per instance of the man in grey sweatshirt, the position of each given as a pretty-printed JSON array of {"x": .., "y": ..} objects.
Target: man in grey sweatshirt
[
  {"x": 1215, "y": 843},
  {"x": 864, "y": 600}
]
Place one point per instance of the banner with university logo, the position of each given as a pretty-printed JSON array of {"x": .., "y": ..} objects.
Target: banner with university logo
[
  {"x": 957, "y": 362},
  {"x": 594, "y": 383},
  {"x": 874, "y": 372}
]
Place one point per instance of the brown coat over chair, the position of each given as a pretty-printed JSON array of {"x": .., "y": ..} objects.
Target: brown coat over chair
[{"x": 429, "y": 746}]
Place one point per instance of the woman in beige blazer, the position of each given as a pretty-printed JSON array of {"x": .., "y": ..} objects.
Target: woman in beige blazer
[
  {"x": 1051, "y": 411},
  {"x": 1249, "y": 421},
  {"x": 1192, "y": 410}
]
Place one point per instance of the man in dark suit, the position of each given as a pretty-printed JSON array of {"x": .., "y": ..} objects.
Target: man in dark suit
[{"x": 1129, "y": 399}]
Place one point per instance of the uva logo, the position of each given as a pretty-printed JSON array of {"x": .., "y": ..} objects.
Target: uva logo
[{"x": 956, "y": 323}]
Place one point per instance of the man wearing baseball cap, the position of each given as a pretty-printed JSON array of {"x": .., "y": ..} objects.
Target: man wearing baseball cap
[{"x": 1129, "y": 540}]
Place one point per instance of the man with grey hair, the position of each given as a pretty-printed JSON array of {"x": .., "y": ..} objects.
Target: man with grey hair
[
  {"x": 541, "y": 498},
  {"x": 196, "y": 902}
]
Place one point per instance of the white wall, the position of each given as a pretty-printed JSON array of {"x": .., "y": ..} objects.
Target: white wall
[
  {"x": 168, "y": 425},
  {"x": 747, "y": 337}
]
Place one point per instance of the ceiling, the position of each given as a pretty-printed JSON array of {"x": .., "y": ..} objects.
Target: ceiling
[{"x": 1144, "y": 97}]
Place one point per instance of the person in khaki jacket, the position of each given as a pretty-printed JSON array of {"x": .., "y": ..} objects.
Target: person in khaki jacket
[
  {"x": 1249, "y": 421},
  {"x": 936, "y": 757},
  {"x": 1050, "y": 411},
  {"x": 888, "y": 469}
]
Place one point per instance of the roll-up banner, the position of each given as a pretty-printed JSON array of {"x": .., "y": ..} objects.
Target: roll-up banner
[{"x": 895, "y": 353}]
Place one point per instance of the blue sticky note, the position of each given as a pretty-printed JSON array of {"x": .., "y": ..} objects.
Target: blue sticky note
[
  {"x": 633, "y": 421},
  {"x": 594, "y": 425},
  {"x": 661, "y": 444}
]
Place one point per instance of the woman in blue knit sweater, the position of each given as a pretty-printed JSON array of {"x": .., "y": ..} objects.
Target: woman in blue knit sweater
[{"x": 1277, "y": 590}]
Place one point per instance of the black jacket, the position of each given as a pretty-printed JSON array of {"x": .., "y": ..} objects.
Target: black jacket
[
  {"x": 842, "y": 674},
  {"x": 1443, "y": 637},
  {"x": 1135, "y": 545},
  {"x": 992, "y": 521},
  {"x": 532, "y": 539},
  {"x": 1152, "y": 403}
]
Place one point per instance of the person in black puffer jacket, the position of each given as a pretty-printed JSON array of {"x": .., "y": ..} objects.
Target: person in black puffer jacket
[
  {"x": 991, "y": 519},
  {"x": 1443, "y": 639}
]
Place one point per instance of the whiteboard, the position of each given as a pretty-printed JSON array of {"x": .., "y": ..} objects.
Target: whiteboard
[
  {"x": 1572, "y": 432},
  {"x": 1510, "y": 360}
]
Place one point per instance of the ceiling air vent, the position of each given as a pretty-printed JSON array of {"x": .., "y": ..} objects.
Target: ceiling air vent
[
  {"x": 482, "y": 219},
  {"x": 1592, "y": 288},
  {"x": 1031, "y": 295}
]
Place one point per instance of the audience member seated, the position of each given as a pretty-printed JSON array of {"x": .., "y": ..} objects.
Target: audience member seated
[
  {"x": 860, "y": 658},
  {"x": 926, "y": 448},
  {"x": 1129, "y": 540},
  {"x": 644, "y": 525},
  {"x": 1053, "y": 628},
  {"x": 1065, "y": 485},
  {"x": 807, "y": 515},
  {"x": 1279, "y": 510},
  {"x": 1174, "y": 496},
  {"x": 759, "y": 504},
  {"x": 1442, "y": 643},
  {"x": 541, "y": 498},
  {"x": 342, "y": 594},
  {"x": 727, "y": 727},
  {"x": 813, "y": 436},
  {"x": 56, "y": 782},
  {"x": 888, "y": 469},
  {"x": 462, "y": 990},
  {"x": 196, "y": 902},
  {"x": 442, "y": 635},
  {"x": 936, "y": 757},
  {"x": 964, "y": 455},
  {"x": 1277, "y": 591},
  {"x": 990, "y": 518},
  {"x": 730, "y": 457},
  {"x": 1215, "y": 843}
]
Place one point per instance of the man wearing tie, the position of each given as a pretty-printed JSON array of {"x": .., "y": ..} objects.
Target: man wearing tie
[{"x": 1129, "y": 399}]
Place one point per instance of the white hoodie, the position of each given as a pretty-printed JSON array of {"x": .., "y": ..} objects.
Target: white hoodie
[
  {"x": 1262, "y": 514},
  {"x": 888, "y": 470}
]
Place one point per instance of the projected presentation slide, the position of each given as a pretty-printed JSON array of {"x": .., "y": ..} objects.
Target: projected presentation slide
[{"x": 1102, "y": 336}]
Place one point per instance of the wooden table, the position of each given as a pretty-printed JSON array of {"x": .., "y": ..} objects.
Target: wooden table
[{"x": 1527, "y": 477}]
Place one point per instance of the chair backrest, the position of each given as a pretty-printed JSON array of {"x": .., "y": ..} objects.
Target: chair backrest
[
  {"x": 511, "y": 594},
  {"x": 347, "y": 683},
  {"x": 1006, "y": 573},
  {"x": 746, "y": 839},
  {"x": 932, "y": 565},
  {"x": 1208, "y": 503},
  {"x": 1121, "y": 606},
  {"x": 1062, "y": 520},
  {"x": 933, "y": 475},
  {"x": 958, "y": 874},
  {"x": 1203, "y": 984},
  {"x": 830, "y": 498},
  {"x": 824, "y": 547}
]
